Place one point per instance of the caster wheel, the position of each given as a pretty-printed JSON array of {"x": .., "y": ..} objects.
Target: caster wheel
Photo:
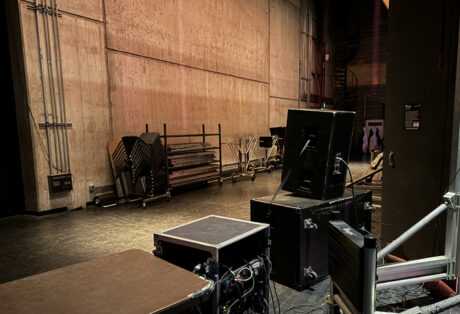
[
  {"x": 97, "y": 201},
  {"x": 168, "y": 198},
  {"x": 220, "y": 181},
  {"x": 233, "y": 179},
  {"x": 253, "y": 177},
  {"x": 144, "y": 205}
]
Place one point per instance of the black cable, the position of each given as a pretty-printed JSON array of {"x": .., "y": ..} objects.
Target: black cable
[
  {"x": 312, "y": 308},
  {"x": 352, "y": 190},
  {"x": 240, "y": 297},
  {"x": 267, "y": 274},
  {"x": 288, "y": 173},
  {"x": 277, "y": 298},
  {"x": 452, "y": 180}
]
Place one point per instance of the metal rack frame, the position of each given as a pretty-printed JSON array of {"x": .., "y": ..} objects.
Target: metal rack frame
[{"x": 203, "y": 135}]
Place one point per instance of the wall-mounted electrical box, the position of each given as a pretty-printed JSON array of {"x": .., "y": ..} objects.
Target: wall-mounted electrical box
[{"x": 60, "y": 183}]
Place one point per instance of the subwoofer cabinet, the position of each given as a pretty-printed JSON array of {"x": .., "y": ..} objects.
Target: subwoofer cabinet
[{"x": 299, "y": 232}]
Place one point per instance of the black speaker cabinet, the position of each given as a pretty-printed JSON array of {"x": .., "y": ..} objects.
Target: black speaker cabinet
[
  {"x": 299, "y": 233},
  {"x": 317, "y": 173}
]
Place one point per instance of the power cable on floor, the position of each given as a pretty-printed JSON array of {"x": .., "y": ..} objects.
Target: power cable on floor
[{"x": 352, "y": 189}]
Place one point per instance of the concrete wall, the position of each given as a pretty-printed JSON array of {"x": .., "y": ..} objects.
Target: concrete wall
[{"x": 131, "y": 62}]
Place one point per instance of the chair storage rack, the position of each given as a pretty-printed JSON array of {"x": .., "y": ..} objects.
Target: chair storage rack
[
  {"x": 200, "y": 163},
  {"x": 242, "y": 150}
]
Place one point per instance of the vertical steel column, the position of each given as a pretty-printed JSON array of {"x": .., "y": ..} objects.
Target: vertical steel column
[
  {"x": 42, "y": 71},
  {"x": 370, "y": 266},
  {"x": 204, "y": 134},
  {"x": 166, "y": 156},
  {"x": 220, "y": 151},
  {"x": 452, "y": 222}
]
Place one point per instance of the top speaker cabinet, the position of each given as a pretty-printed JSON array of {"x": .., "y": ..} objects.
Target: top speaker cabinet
[{"x": 317, "y": 173}]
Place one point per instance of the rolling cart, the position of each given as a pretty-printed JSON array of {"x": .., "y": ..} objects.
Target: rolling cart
[
  {"x": 280, "y": 133},
  {"x": 242, "y": 151},
  {"x": 191, "y": 162},
  {"x": 267, "y": 143}
]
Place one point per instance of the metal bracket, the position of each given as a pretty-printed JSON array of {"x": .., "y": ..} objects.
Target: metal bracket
[
  {"x": 309, "y": 272},
  {"x": 42, "y": 9},
  {"x": 368, "y": 207},
  {"x": 308, "y": 224},
  {"x": 452, "y": 200},
  {"x": 203, "y": 291},
  {"x": 451, "y": 270},
  {"x": 48, "y": 125}
]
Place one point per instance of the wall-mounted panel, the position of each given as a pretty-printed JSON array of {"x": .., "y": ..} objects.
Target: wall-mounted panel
[
  {"x": 224, "y": 36},
  {"x": 156, "y": 92},
  {"x": 284, "y": 49}
]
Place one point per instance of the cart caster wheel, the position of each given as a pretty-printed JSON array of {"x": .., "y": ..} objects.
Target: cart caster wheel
[
  {"x": 97, "y": 201},
  {"x": 144, "y": 205},
  {"x": 253, "y": 177},
  {"x": 168, "y": 198},
  {"x": 233, "y": 179},
  {"x": 220, "y": 181}
]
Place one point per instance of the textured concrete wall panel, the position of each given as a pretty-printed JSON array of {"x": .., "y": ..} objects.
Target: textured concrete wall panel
[
  {"x": 224, "y": 36},
  {"x": 284, "y": 49},
  {"x": 279, "y": 109},
  {"x": 92, "y": 9},
  {"x": 155, "y": 92}
]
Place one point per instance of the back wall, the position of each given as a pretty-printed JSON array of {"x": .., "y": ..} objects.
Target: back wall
[{"x": 127, "y": 63}]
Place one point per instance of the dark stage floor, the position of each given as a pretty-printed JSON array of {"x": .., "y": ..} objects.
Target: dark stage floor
[{"x": 31, "y": 245}]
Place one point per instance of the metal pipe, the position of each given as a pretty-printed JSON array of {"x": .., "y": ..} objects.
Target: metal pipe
[
  {"x": 409, "y": 233},
  {"x": 51, "y": 86},
  {"x": 410, "y": 281},
  {"x": 40, "y": 57},
  {"x": 441, "y": 305},
  {"x": 64, "y": 114},
  {"x": 370, "y": 265},
  {"x": 343, "y": 306},
  {"x": 58, "y": 80},
  {"x": 220, "y": 151},
  {"x": 309, "y": 35}
]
